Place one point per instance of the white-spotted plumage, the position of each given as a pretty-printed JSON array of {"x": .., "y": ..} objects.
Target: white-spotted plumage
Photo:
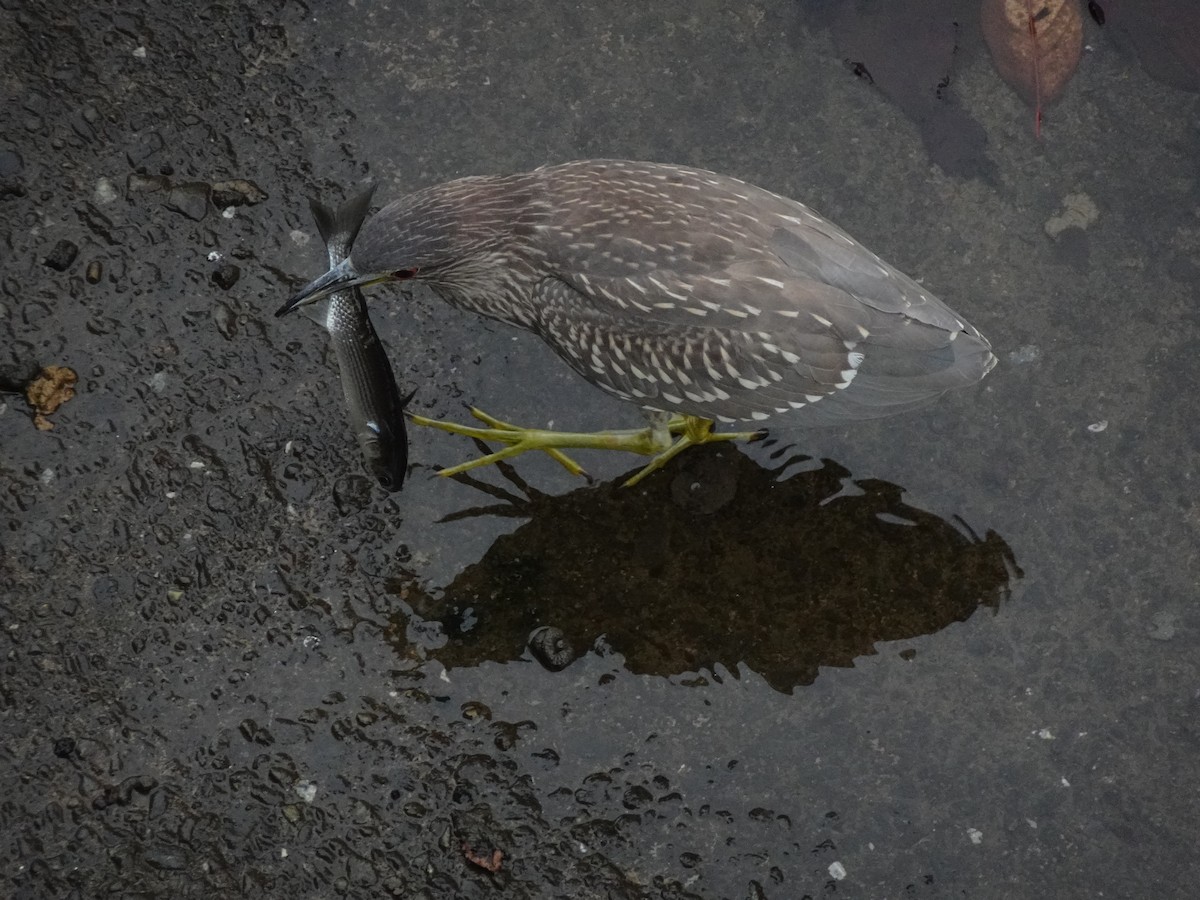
[{"x": 683, "y": 290}]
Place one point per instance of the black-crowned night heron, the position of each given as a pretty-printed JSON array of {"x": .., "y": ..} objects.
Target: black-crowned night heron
[{"x": 698, "y": 297}]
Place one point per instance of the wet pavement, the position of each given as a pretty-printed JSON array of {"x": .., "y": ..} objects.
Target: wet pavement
[{"x": 950, "y": 654}]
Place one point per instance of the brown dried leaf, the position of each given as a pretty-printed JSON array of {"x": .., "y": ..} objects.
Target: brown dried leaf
[
  {"x": 487, "y": 861},
  {"x": 1036, "y": 45},
  {"x": 50, "y": 390}
]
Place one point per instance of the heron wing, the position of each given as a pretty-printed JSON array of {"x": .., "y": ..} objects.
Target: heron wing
[
  {"x": 757, "y": 299},
  {"x": 748, "y": 350},
  {"x": 645, "y": 354}
]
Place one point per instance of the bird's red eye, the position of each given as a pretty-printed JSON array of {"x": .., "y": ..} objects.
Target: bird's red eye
[{"x": 402, "y": 274}]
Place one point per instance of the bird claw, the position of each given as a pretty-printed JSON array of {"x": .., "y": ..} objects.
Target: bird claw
[
  {"x": 654, "y": 442},
  {"x": 519, "y": 440}
]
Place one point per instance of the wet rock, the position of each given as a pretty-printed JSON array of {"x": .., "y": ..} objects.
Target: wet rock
[
  {"x": 238, "y": 192},
  {"x": 226, "y": 276},
  {"x": 61, "y": 257},
  {"x": 190, "y": 199},
  {"x": 146, "y": 184},
  {"x": 95, "y": 271},
  {"x": 551, "y": 648}
]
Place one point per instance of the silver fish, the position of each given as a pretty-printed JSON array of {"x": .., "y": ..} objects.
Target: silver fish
[{"x": 376, "y": 406}]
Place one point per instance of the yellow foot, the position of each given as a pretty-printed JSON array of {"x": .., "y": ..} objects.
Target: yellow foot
[{"x": 655, "y": 441}]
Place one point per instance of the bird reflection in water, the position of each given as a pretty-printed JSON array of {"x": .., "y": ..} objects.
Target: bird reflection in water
[{"x": 803, "y": 567}]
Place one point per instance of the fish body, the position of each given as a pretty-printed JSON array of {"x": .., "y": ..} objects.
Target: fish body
[{"x": 375, "y": 403}]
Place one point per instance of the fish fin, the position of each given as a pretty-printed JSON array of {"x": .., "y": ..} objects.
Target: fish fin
[{"x": 341, "y": 226}]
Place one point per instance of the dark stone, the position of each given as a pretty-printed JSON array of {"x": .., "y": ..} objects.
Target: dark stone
[
  {"x": 64, "y": 747},
  {"x": 226, "y": 276},
  {"x": 62, "y": 256}
]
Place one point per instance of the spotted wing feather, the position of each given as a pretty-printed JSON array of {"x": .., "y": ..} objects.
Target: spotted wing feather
[
  {"x": 727, "y": 372},
  {"x": 765, "y": 313}
]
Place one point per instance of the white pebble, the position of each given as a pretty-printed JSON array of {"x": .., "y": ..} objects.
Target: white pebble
[{"x": 105, "y": 192}]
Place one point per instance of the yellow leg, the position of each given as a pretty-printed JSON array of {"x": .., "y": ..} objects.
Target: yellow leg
[{"x": 652, "y": 441}]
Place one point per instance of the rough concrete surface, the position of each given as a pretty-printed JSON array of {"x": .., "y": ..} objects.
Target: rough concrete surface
[{"x": 951, "y": 654}]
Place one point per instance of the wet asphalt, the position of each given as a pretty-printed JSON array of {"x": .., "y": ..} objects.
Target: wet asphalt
[{"x": 951, "y": 654}]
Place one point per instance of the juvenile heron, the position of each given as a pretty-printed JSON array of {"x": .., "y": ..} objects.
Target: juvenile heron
[{"x": 697, "y": 296}]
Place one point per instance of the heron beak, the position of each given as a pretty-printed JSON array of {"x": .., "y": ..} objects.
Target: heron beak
[{"x": 339, "y": 278}]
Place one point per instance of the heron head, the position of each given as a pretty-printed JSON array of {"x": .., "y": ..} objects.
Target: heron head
[{"x": 409, "y": 238}]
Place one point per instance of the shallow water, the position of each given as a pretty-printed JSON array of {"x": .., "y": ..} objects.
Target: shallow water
[{"x": 946, "y": 654}]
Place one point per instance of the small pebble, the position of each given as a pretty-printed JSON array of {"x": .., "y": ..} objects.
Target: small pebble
[
  {"x": 226, "y": 276},
  {"x": 62, "y": 256},
  {"x": 95, "y": 270},
  {"x": 106, "y": 191}
]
